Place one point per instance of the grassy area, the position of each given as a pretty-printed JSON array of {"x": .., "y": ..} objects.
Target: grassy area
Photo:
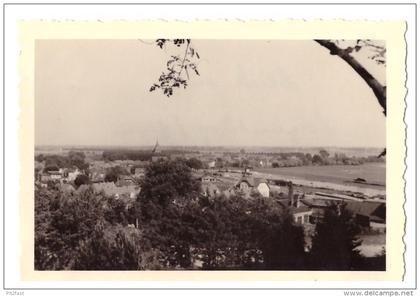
[{"x": 339, "y": 174}]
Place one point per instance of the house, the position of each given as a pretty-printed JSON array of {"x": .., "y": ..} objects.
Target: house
[
  {"x": 247, "y": 170},
  {"x": 97, "y": 177},
  {"x": 53, "y": 175},
  {"x": 248, "y": 185},
  {"x": 112, "y": 190},
  {"x": 301, "y": 212},
  {"x": 318, "y": 206},
  {"x": 210, "y": 190},
  {"x": 208, "y": 178},
  {"x": 159, "y": 157},
  {"x": 368, "y": 213},
  {"x": 126, "y": 180},
  {"x": 69, "y": 175},
  {"x": 211, "y": 164}
]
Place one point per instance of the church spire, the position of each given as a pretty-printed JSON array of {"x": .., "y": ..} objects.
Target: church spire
[{"x": 156, "y": 147}]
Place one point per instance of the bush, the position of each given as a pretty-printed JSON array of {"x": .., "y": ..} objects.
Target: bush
[{"x": 81, "y": 179}]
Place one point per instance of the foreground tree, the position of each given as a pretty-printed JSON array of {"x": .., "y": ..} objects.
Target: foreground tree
[
  {"x": 166, "y": 183},
  {"x": 82, "y": 231},
  {"x": 61, "y": 222},
  {"x": 220, "y": 232},
  {"x": 334, "y": 246},
  {"x": 168, "y": 187},
  {"x": 114, "y": 247}
]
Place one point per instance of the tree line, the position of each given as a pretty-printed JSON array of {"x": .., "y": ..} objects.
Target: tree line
[{"x": 55, "y": 162}]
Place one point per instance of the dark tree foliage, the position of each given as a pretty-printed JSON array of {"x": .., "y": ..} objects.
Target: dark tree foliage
[
  {"x": 167, "y": 189},
  {"x": 57, "y": 161},
  {"x": 317, "y": 159},
  {"x": 114, "y": 247},
  {"x": 114, "y": 173},
  {"x": 178, "y": 67},
  {"x": 324, "y": 154},
  {"x": 195, "y": 163},
  {"x": 116, "y": 211},
  {"x": 135, "y": 155},
  {"x": 335, "y": 241},
  {"x": 61, "y": 221},
  {"x": 111, "y": 177},
  {"x": 221, "y": 233},
  {"x": 168, "y": 182},
  {"x": 51, "y": 167},
  {"x": 73, "y": 158},
  {"x": 44, "y": 258},
  {"x": 85, "y": 231},
  {"x": 77, "y": 158},
  {"x": 81, "y": 179}
]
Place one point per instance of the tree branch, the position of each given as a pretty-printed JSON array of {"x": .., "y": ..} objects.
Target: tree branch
[
  {"x": 378, "y": 89},
  {"x": 185, "y": 55}
]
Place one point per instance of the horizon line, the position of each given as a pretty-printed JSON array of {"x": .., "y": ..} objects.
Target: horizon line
[{"x": 203, "y": 145}]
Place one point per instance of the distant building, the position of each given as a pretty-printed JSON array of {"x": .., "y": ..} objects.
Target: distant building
[
  {"x": 368, "y": 213},
  {"x": 70, "y": 175},
  {"x": 210, "y": 189},
  {"x": 248, "y": 170},
  {"x": 318, "y": 206},
  {"x": 126, "y": 180},
  {"x": 51, "y": 176},
  {"x": 112, "y": 190},
  {"x": 208, "y": 178},
  {"x": 158, "y": 158},
  {"x": 247, "y": 185},
  {"x": 97, "y": 177},
  {"x": 302, "y": 213}
]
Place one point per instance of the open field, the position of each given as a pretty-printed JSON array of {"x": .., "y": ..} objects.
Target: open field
[{"x": 339, "y": 174}]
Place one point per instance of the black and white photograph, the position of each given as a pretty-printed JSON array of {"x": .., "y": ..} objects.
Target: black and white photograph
[
  {"x": 210, "y": 154},
  {"x": 154, "y": 148}
]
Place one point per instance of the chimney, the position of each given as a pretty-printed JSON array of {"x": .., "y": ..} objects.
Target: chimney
[
  {"x": 298, "y": 202},
  {"x": 290, "y": 195}
]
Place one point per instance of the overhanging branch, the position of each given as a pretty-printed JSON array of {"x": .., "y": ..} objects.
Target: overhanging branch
[{"x": 378, "y": 89}]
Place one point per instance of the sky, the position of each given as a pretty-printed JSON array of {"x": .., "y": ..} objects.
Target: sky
[{"x": 249, "y": 93}]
